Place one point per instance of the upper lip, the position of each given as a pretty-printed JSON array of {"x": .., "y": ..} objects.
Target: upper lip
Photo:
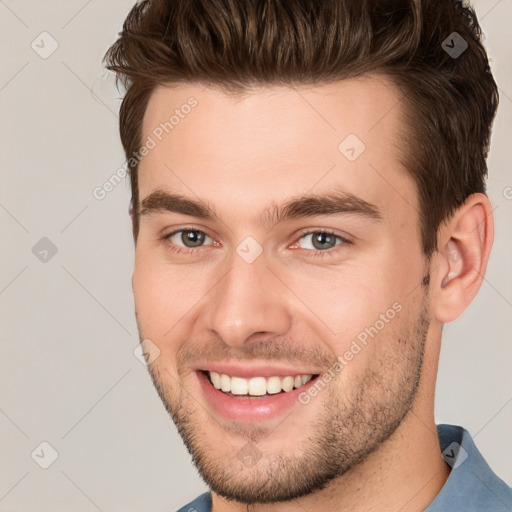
[{"x": 255, "y": 370}]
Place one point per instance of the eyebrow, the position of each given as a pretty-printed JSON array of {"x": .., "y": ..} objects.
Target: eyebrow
[
  {"x": 309, "y": 205},
  {"x": 160, "y": 201}
]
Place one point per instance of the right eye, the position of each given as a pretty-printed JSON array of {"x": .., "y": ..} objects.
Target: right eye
[{"x": 194, "y": 237}]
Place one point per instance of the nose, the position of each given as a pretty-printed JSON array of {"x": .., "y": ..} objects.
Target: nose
[{"x": 248, "y": 300}]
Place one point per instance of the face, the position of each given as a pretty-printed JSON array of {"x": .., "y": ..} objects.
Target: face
[{"x": 279, "y": 259}]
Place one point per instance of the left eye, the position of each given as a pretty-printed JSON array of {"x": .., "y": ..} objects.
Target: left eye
[
  {"x": 321, "y": 240},
  {"x": 188, "y": 236}
]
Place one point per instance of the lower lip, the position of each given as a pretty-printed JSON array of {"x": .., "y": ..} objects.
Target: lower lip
[{"x": 250, "y": 410}]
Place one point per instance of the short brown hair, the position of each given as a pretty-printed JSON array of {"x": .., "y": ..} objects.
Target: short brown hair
[{"x": 450, "y": 100}]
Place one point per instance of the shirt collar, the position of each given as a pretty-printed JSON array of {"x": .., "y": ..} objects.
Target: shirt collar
[{"x": 471, "y": 486}]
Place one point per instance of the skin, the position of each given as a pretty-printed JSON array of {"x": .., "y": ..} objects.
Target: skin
[{"x": 368, "y": 440}]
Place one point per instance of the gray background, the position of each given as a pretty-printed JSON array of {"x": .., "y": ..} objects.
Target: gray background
[{"x": 68, "y": 373}]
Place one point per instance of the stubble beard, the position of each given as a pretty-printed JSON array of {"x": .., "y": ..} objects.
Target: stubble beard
[{"x": 339, "y": 438}]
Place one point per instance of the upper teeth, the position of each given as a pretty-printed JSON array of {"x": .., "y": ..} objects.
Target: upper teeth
[{"x": 256, "y": 386}]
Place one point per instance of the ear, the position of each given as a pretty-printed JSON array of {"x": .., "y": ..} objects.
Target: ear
[{"x": 464, "y": 247}]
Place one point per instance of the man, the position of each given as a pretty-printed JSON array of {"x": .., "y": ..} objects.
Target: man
[{"x": 309, "y": 209}]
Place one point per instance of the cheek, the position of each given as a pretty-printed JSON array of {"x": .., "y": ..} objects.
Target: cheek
[
  {"x": 165, "y": 297},
  {"x": 351, "y": 298},
  {"x": 151, "y": 298},
  {"x": 157, "y": 315},
  {"x": 359, "y": 309},
  {"x": 378, "y": 354}
]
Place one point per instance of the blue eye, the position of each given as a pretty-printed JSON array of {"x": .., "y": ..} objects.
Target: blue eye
[
  {"x": 188, "y": 241},
  {"x": 189, "y": 236},
  {"x": 322, "y": 240}
]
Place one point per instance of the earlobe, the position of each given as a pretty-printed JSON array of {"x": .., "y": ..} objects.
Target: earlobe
[{"x": 465, "y": 243}]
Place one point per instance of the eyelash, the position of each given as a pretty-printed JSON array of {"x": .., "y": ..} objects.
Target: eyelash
[{"x": 315, "y": 253}]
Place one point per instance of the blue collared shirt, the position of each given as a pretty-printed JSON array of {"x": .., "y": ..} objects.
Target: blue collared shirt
[{"x": 471, "y": 487}]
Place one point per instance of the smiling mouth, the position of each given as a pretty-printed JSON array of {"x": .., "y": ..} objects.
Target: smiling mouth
[{"x": 256, "y": 387}]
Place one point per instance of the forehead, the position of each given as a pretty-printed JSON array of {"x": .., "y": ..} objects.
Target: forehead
[{"x": 254, "y": 149}]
